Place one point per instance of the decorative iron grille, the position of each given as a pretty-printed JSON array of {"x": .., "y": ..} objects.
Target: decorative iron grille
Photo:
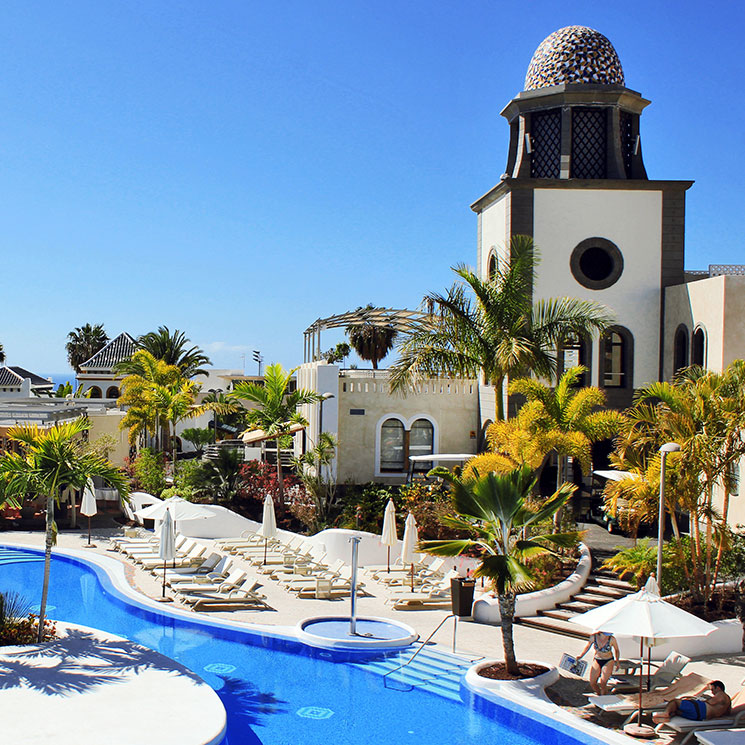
[
  {"x": 715, "y": 270},
  {"x": 545, "y": 138},
  {"x": 627, "y": 144},
  {"x": 589, "y": 143}
]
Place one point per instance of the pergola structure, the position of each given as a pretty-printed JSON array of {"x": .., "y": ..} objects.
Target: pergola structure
[{"x": 401, "y": 320}]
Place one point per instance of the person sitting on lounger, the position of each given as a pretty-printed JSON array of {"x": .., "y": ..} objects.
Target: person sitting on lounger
[
  {"x": 698, "y": 708},
  {"x": 606, "y": 656}
]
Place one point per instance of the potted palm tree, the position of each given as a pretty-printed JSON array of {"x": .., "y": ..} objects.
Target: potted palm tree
[{"x": 494, "y": 509}]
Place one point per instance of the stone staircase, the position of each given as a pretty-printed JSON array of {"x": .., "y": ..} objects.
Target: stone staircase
[{"x": 602, "y": 587}]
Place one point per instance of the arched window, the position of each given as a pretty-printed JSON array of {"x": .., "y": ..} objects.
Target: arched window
[
  {"x": 392, "y": 456},
  {"x": 617, "y": 358},
  {"x": 112, "y": 392},
  {"x": 95, "y": 392},
  {"x": 576, "y": 350},
  {"x": 698, "y": 347},
  {"x": 492, "y": 266},
  {"x": 421, "y": 442},
  {"x": 680, "y": 349}
]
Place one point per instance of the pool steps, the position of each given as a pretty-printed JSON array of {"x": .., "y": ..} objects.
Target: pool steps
[
  {"x": 433, "y": 671},
  {"x": 11, "y": 556}
]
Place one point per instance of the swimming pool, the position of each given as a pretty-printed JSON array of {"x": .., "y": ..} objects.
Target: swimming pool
[{"x": 277, "y": 691}]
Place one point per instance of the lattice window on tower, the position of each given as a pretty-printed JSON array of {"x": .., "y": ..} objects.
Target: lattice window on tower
[
  {"x": 627, "y": 142},
  {"x": 589, "y": 143},
  {"x": 545, "y": 136}
]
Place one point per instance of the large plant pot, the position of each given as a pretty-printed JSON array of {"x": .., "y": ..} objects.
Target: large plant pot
[{"x": 476, "y": 683}]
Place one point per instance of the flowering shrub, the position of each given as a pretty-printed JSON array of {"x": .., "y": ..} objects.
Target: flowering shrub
[
  {"x": 429, "y": 502},
  {"x": 20, "y": 631},
  {"x": 257, "y": 479}
]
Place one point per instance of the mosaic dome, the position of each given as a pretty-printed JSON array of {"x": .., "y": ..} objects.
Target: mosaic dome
[{"x": 574, "y": 54}]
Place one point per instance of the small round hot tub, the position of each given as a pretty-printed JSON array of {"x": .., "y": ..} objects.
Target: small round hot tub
[{"x": 334, "y": 632}]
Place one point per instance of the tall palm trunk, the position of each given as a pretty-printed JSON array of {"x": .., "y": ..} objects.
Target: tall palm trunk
[
  {"x": 499, "y": 399},
  {"x": 720, "y": 550},
  {"x": 280, "y": 480},
  {"x": 47, "y": 564},
  {"x": 507, "y": 613}
]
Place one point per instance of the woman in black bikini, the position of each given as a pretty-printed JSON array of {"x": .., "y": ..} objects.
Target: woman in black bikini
[{"x": 606, "y": 657}]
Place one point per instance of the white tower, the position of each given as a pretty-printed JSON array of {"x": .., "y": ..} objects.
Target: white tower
[{"x": 576, "y": 183}]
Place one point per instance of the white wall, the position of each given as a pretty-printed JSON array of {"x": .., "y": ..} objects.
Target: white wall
[
  {"x": 633, "y": 221},
  {"x": 494, "y": 232}
]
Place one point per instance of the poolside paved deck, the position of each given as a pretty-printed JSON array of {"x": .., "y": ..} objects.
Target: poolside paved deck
[
  {"x": 68, "y": 692},
  {"x": 473, "y": 640}
]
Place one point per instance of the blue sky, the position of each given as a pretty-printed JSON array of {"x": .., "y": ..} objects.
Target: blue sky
[{"x": 237, "y": 169}]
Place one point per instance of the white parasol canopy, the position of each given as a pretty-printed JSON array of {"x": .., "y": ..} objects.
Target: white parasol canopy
[
  {"x": 411, "y": 538},
  {"x": 268, "y": 527},
  {"x": 167, "y": 544},
  {"x": 389, "y": 536},
  {"x": 177, "y": 507},
  {"x": 88, "y": 505},
  {"x": 644, "y": 614}
]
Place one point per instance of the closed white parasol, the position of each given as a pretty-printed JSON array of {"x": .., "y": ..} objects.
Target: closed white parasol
[
  {"x": 167, "y": 544},
  {"x": 268, "y": 527},
  {"x": 389, "y": 536},
  {"x": 408, "y": 550},
  {"x": 88, "y": 507}
]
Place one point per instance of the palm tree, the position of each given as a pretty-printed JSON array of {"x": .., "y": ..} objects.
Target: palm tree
[
  {"x": 371, "y": 341},
  {"x": 566, "y": 419},
  {"x": 171, "y": 347},
  {"x": 277, "y": 407},
  {"x": 50, "y": 459},
  {"x": 313, "y": 469},
  {"x": 493, "y": 508},
  {"x": 143, "y": 414},
  {"x": 174, "y": 403},
  {"x": 2, "y": 355},
  {"x": 83, "y": 343},
  {"x": 494, "y": 329},
  {"x": 704, "y": 412}
]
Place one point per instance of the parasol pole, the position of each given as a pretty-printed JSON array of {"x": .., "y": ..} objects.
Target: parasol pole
[{"x": 641, "y": 677}]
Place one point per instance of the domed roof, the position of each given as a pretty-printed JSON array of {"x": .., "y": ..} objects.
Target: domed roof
[{"x": 574, "y": 54}]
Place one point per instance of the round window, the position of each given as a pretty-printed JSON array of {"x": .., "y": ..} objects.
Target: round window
[{"x": 596, "y": 263}]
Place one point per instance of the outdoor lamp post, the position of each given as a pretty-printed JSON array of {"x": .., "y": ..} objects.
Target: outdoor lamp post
[
  {"x": 324, "y": 397},
  {"x": 668, "y": 447}
]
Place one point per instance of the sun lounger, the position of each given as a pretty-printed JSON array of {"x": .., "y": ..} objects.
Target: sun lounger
[
  {"x": 185, "y": 574},
  {"x": 120, "y": 542},
  {"x": 308, "y": 574},
  {"x": 329, "y": 587},
  {"x": 689, "y": 727},
  {"x": 193, "y": 557},
  {"x": 688, "y": 685},
  {"x": 235, "y": 579},
  {"x": 239, "y": 599},
  {"x": 664, "y": 676},
  {"x": 430, "y": 595},
  {"x": 246, "y": 537},
  {"x": 182, "y": 543}
]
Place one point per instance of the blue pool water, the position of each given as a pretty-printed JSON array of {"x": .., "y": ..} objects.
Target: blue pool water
[{"x": 277, "y": 691}]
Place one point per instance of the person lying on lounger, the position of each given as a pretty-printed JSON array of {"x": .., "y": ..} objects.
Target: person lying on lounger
[{"x": 698, "y": 708}]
